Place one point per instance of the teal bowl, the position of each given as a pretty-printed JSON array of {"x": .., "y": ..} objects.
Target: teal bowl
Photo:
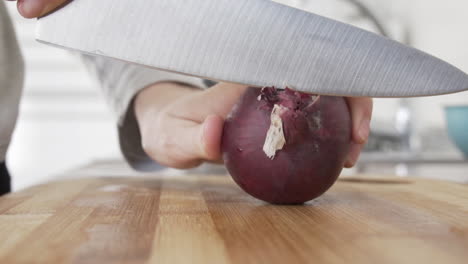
[{"x": 457, "y": 125}]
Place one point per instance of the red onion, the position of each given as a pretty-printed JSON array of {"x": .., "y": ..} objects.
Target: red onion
[{"x": 284, "y": 146}]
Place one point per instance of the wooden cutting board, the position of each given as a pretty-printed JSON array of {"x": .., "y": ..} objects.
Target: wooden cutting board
[{"x": 208, "y": 219}]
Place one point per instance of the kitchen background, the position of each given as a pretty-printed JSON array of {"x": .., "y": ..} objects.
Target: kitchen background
[{"x": 64, "y": 120}]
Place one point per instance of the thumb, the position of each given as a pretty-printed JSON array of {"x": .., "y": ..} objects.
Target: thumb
[
  {"x": 38, "y": 8},
  {"x": 210, "y": 140},
  {"x": 361, "y": 113},
  {"x": 190, "y": 145}
]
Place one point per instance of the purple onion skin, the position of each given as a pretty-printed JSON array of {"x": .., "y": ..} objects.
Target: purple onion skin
[{"x": 318, "y": 139}]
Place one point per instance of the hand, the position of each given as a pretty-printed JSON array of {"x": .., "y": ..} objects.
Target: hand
[
  {"x": 181, "y": 126},
  {"x": 38, "y": 8},
  {"x": 180, "y": 130}
]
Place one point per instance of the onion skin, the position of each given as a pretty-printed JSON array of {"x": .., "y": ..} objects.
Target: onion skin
[{"x": 317, "y": 130}]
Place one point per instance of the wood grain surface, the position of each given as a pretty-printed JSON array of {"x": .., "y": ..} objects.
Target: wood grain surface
[{"x": 208, "y": 219}]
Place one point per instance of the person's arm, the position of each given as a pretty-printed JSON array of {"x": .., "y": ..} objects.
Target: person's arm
[
  {"x": 11, "y": 80},
  {"x": 11, "y": 84}
]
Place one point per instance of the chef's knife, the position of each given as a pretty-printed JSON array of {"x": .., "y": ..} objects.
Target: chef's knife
[{"x": 254, "y": 42}]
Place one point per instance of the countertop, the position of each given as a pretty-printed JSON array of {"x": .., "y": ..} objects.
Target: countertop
[{"x": 90, "y": 215}]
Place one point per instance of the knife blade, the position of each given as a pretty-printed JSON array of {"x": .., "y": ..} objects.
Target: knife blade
[{"x": 253, "y": 42}]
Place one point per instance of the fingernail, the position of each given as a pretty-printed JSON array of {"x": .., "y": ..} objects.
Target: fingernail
[
  {"x": 363, "y": 131},
  {"x": 30, "y": 8}
]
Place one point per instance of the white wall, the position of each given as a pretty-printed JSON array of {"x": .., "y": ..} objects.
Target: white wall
[{"x": 440, "y": 28}]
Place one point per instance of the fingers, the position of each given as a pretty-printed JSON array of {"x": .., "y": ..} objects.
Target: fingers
[
  {"x": 361, "y": 113},
  {"x": 211, "y": 138},
  {"x": 184, "y": 144},
  {"x": 217, "y": 100},
  {"x": 228, "y": 93},
  {"x": 353, "y": 155},
  {"x": 38, "y": 8},
  {"x": 189, "y": 130}
]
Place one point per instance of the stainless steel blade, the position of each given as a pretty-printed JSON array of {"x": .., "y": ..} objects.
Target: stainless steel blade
[{"x": 254, "y": 42}]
